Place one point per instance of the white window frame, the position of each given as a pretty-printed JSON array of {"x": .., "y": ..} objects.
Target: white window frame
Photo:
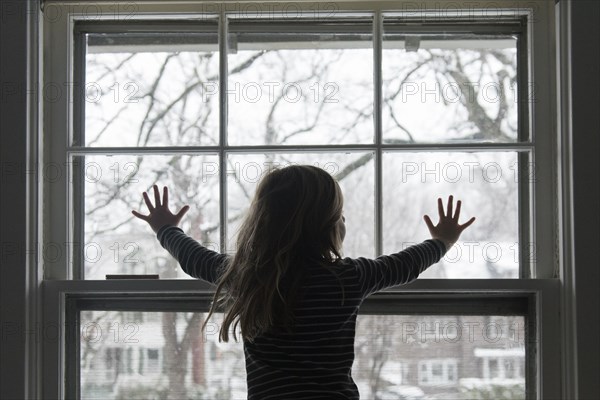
[
  {"x": 540, "y": 226},
  {"x": 487, "y": 374},
  {"x": 536, "y": 229},
  {"x": 159, "y": 361},
  {"x": 446, "y": 364}
]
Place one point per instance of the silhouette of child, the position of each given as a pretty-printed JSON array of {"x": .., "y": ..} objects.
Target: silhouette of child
[{"x": 288, "y": 288}]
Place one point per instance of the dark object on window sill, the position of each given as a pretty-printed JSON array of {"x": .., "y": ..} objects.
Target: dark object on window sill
[{"x": 132, "y": 276}]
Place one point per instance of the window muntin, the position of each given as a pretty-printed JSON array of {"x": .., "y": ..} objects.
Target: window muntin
[{"x": 255, "y": 55}]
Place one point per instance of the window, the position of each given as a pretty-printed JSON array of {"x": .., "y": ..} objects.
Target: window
[
  {"x": 500, "y": 363},
  {"x": 152, "y": 361},
  {"x": 402, "y": 106},
  {"x": 437, "y": 372}
]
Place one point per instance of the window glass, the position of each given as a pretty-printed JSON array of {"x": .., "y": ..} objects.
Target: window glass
[
  {"x": 449, "y": 87},
  {"x": 115, "y": 241},
  {"x": 300, "y": 84},
  {"x": 396, "y": 356},
  {"x": 151, "y": 89},
  {"x": 353, "y": 170},
  {"x": 487, "y": 185}
]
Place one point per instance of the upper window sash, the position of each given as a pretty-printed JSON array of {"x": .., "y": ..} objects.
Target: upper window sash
[{"x": 58, "y": 66}]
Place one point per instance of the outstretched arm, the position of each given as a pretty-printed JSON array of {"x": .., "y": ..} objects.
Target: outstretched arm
[
  {"x": 448, "y": 229},
  {"x": 195, "y": 259},
  {"x": 406, "y": 265}
]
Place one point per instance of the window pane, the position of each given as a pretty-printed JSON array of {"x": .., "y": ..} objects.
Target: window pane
[
  {"x": 396, "y": 356},
  {"x": 449, "y": 87},
  {"x": 116, "y": 242},
  {"x": 440, "y": 357},
  {"x": 354, "y": 172},
  {"x": 300, "y": 84},
  {"x": 486, "y": 183},
  {"x": 166, "y": 354},
  {"x": 151, "y": 89}
]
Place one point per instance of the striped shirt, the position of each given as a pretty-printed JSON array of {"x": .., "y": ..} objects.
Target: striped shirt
[{"x": 314, "y": 361}]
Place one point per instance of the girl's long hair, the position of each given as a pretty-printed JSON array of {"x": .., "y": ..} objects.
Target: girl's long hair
[{"x": 293, "y": 220}]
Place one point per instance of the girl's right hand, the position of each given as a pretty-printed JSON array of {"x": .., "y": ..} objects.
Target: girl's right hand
[{"x": 448, "y": 229}]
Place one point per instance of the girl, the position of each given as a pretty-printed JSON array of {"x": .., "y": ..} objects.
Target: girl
[{"x": 288, "y": 288}]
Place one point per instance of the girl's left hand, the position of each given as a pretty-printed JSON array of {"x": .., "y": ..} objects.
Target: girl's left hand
[{"x": 160, "y": 215}]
